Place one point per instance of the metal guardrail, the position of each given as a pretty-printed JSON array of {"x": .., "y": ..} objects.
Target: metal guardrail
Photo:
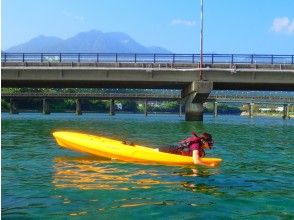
[
  {"x": 244, "y": 99},
  {"x": 148, "y": 58}
]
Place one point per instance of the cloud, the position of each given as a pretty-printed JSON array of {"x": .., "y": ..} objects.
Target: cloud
[
  {"x": 183, "y": 22},
  {"x": 73, "y": 16},
  {"x": 283, "y": 25}
]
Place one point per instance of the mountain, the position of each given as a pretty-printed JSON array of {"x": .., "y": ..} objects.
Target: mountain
[
  {"x": 40, "y": 44},
  {"x": 86, "y": 42}
]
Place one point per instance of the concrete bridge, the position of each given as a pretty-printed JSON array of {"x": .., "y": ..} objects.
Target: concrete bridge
[
  {"x": 160, "y": 71},
  {"x": 155, "y": 97},
  {"x": 249, "y": 100}
]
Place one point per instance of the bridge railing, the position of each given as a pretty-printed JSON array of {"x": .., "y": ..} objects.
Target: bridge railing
[{"x": 148, "y": 58}]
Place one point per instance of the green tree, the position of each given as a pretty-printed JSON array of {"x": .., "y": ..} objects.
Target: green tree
[{"x": 129, "y": 105}]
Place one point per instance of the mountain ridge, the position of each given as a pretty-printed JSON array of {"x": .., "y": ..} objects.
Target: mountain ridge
[{"x": 93, "y": 41}]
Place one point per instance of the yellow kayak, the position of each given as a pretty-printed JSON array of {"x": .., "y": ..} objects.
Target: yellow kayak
[{"x": 115, "y": 149}]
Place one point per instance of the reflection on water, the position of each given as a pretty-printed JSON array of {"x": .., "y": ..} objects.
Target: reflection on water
[
  {"x": 202, "y": 188},
  {"x": 200, "y": 171},
  {"x": 193, "y": 186},
  {"x": 88, "y": 174},
  {"x": 135, "y": 202}
]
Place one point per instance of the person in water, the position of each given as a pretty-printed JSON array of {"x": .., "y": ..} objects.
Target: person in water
[{"x": 192, "y": 146}]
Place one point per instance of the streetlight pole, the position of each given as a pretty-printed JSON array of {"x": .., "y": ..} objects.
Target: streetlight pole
[{"x": 201, "y": 40}]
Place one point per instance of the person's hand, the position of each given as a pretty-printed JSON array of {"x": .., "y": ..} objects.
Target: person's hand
[{"x": 212, "y": 164}]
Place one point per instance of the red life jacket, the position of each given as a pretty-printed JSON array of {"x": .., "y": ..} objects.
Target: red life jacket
[{"x": 189, "y": 144}]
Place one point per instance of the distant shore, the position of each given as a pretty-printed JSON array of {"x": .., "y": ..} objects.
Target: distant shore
[
  {"x": 291, "y": 115},
  {"x": 160, "y": 113}
]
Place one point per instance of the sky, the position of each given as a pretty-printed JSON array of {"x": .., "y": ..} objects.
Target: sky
[{"x": 230, "y": 26}]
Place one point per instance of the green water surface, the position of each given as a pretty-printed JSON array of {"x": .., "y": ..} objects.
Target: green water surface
[{"x": 40, "y": 180}]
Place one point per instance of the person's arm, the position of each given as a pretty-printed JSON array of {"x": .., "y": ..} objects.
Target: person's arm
[
  {"x": 196, "y": 159},
  {"x": 183, "y": 141}
]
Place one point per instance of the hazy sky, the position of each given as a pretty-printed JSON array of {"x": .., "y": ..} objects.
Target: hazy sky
[{"x": 230, "y": 26}]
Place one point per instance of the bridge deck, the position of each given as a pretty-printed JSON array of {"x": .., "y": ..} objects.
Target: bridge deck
[
  {"x": 173, "y": 71},
  {"x": 225, "y": 76}
]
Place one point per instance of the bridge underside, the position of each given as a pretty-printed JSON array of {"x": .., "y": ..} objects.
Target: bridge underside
[
  {"x": 253, "y": 86},
  {"x": 143, "y": 85}
]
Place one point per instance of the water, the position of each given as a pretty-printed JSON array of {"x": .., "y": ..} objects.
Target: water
[{"x": 42, "y": 180}]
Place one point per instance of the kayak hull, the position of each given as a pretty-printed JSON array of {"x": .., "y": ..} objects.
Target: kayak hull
[{"x": 115, "y": 149}]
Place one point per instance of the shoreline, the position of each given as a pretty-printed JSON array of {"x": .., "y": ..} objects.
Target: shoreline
[{"x": 274, "y": 115}]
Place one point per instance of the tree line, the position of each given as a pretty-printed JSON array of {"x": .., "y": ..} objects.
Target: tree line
[{"x": 91, "y": 105}]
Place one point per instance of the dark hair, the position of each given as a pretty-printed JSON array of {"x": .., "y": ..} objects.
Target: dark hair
[{"x": 206, "y": 137}]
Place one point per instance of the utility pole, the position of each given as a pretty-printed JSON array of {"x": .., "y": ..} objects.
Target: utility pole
[{"x": 201, "y": 40}]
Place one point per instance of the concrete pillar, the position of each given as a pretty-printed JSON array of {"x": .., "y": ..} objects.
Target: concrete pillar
[
  {"x": 250, "y": 109},
  {"x": 111, "y": 107},
  {"x": 195, "y": 95},
  {"x": 78, "y": 107},
  {"x": 215, "y": 109},
  {"x": 46, "y": 109},
  {"x": 13, "y": 107},
  {"x": 180, "y": 108},
  {"x": 145, "y": 107},
  {"x": 193, "y": 111},
  {"x": 286, "y": 111}
]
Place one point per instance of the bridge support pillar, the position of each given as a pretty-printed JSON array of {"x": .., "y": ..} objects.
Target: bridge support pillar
[
  {"x": 46, "y": 109},
  {"x": 180, "y": 108},
  {"x": 195, "y": 95},
  {"x": 111, "y": 107},
  {"x": 215, "y": 109},
  {"x": 193, "y": 111},
  {"x": 13, "y": 107},
  {"x": 250, "y": 110},
  {"x": 145, "y": 107},
  {"x": 78, "y": 107},
  {"x": 286, "y": 111}
]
